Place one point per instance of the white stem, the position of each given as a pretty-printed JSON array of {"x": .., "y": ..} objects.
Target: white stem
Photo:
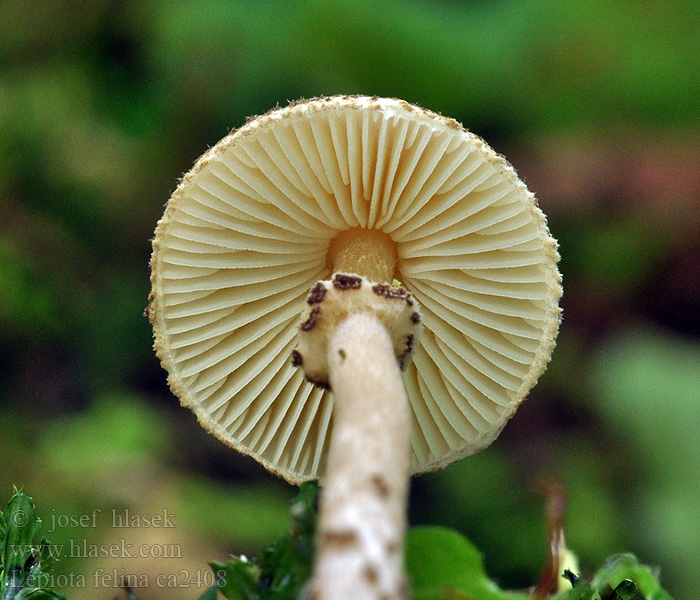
[{"x": 362, "y": 522}]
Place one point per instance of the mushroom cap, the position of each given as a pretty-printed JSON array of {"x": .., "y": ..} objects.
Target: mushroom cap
[{"x": 246, "y": 235}]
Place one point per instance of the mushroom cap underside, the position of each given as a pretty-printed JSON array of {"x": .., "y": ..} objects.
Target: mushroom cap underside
[{"x": 246, "y": 235}]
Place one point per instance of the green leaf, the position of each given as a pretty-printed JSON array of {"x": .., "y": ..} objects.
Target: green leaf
[
  {"x": 304, "y": 508},
  {"x": 238, "y": 579},
  {"x": 622, "y": 577},
  {"x": 25, "y": 565},
  {"x": 625, "y": 590},
  {"x": 284, "y": 567},
  {"x": 21, "y": 559},
  {"x": 583, "y": 591},
  {"x": 21, "y": 525},
  {"x": 624, "y": 567},
  {"x": 442, "y": 564},
  {"x": 39, "y": 594}
]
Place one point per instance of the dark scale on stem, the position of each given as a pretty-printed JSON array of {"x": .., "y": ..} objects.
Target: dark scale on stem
[
  {"x": 393, "y": 547},
  {"x": 297, "y": 360},
  {"x": 371, "y": 575},
  {"x": 317, "y": 294},
  {"x": 346, "y": 282},
  {"x": 340, "y": 539},
  {"x": 415, "y": 318},
  {"x": 380, "y": 487},
  {"x": 308, "y": 325}
]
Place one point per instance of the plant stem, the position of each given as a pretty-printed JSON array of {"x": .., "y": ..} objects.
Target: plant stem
[{"x": 362, "y": 518}]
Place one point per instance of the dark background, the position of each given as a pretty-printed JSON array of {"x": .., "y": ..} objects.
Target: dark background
[{"x": 104, "y": 104}]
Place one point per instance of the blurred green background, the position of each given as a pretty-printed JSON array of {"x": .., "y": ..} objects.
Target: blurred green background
[{"x": 104, "y": 104}]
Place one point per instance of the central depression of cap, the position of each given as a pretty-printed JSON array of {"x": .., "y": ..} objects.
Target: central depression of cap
[
  {"x": 367, "y": 252},
  {"x": 247, "y": 234}
]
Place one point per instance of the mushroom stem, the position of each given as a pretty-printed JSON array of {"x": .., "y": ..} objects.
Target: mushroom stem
[{"x": 362, "y": 518}]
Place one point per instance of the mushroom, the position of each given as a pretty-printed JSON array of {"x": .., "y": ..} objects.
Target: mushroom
[{"x": 287, "y": 272}]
